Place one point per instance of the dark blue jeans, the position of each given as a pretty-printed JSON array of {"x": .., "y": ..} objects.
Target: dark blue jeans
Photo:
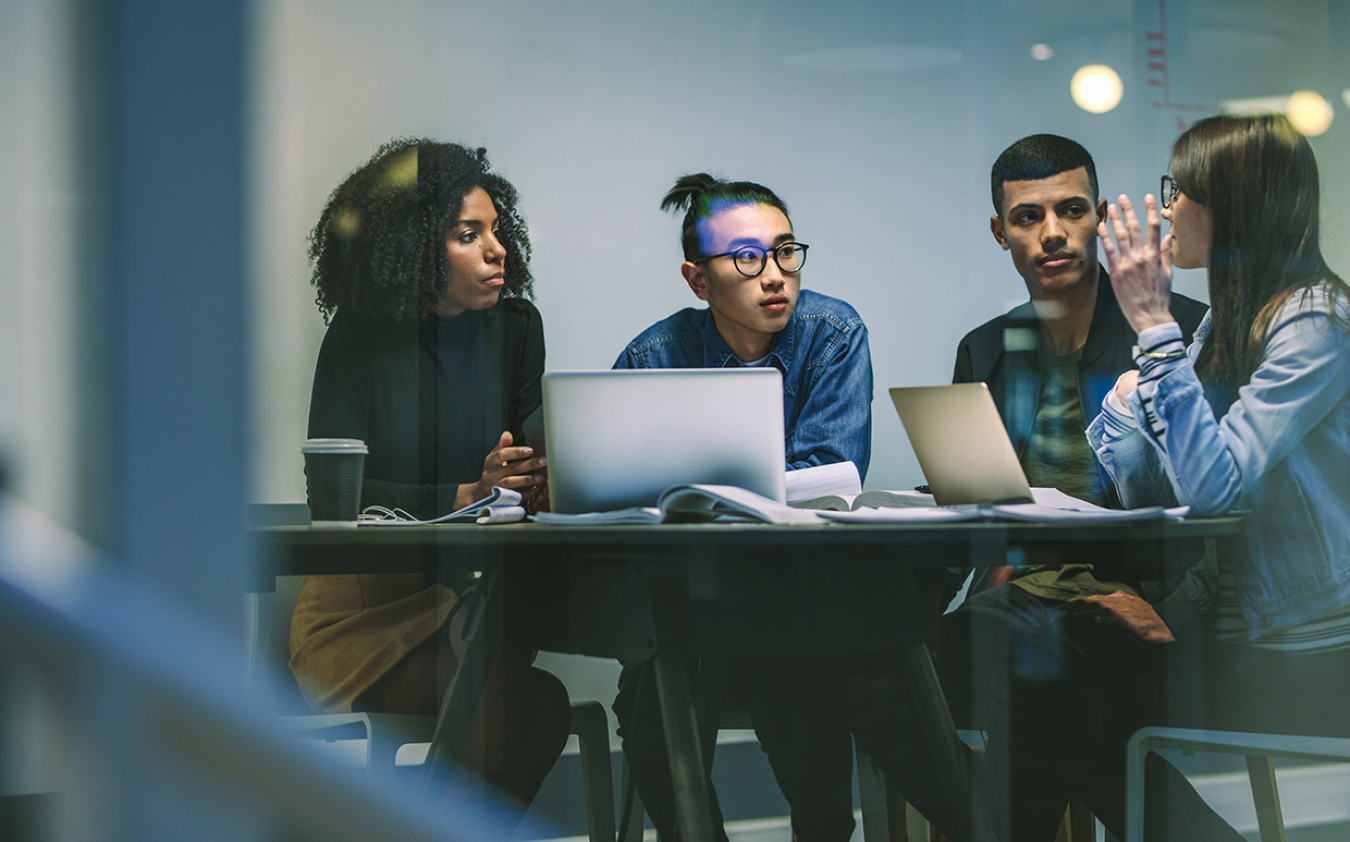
[
  {"x": 1060, "y": 699},
  {"x": 804, "y": 710},
  {"x": 810, "y": 752}
]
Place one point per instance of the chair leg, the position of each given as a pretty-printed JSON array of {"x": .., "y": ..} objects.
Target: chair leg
[
  {"x": 386, "y": 732},
  {"x": 872, "y": 794},
  {"x": 631, "y": 811},
  {"x": 885, "y": 815},
  {"x": 1082, "y": 824},
  {"x": 1269, "y": 817},
  {"x": 591, "y": 726},
  {"x": 1079, "y": 824},
  {"x": 1064, "y": 833},
  {"x": 903, "y": 821}
]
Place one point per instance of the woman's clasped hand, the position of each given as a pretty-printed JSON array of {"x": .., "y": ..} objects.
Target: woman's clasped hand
[{"x": 509, "y": 467}]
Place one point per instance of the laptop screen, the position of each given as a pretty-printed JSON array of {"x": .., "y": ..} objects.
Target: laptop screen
[
  {"x": 961, "y": 444},
  {"x": 619, "y": 438}
]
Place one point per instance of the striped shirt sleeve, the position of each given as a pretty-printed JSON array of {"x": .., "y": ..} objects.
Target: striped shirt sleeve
[{"x": 1160, "y": 350}]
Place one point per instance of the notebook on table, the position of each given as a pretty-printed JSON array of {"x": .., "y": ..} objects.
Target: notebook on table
[{"x": 618, "y": 439}]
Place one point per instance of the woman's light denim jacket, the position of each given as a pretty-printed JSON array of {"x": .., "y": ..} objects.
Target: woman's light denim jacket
[
  {"x": 1282, "y": 450},
  {"x": 826, "y": 366}
]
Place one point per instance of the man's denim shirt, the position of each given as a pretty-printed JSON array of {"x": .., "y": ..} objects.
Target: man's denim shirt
[
  {"x": 826, "y": 367},
  {"x": 1280, "y": 450}
]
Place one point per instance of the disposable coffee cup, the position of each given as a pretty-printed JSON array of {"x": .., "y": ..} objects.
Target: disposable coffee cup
[{"x": 334, "y": 469}]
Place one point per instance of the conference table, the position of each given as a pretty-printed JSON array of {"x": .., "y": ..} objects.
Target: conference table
[{"x": 669, "y": 593}]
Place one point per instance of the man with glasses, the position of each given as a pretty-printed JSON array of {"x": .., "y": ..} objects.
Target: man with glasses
[
  {"x": 1049, "y": 363},
  {"x": 742, "y": 258}
]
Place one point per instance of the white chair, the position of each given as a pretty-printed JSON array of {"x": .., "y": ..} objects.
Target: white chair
[{"x": 1257, "y": 748}]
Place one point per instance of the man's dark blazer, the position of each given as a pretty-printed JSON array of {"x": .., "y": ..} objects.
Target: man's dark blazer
[{"x": 1002, "y": 353}]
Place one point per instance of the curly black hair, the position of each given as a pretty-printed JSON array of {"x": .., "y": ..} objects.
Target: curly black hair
[{"x": 379, "y": 246}]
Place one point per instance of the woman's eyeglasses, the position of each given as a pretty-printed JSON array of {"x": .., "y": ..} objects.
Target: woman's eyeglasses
[{"x": 1168, "y": 192}]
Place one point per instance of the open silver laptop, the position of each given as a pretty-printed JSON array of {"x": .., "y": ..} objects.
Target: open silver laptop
[
  {"x": 619, "y": 438},
  {"x": 962, "y": 446}
]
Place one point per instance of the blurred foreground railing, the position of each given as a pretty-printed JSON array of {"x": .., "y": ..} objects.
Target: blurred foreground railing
[{"x": 152, "y": 707}]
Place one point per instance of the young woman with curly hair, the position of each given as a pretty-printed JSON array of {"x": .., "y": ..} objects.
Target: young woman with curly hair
[{"x": 433, "y": 357}]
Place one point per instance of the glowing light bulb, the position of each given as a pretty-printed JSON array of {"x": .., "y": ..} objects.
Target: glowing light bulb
[
  {"x": 1096, "y": 88},
  {"x": 1309, "y": 112}
]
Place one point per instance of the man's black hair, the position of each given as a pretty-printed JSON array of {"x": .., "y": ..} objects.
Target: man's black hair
[
  {"x": 697, "y": 194},
  {"x": 1039, "y": 156}
]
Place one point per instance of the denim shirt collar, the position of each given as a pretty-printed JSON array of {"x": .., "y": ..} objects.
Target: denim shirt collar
[{"x": 717, "y": 354}]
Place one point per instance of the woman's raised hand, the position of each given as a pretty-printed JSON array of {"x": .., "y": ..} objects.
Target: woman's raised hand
[
  {"x": 508, "y": 467},
  {"x": 1140, "y": 264}
]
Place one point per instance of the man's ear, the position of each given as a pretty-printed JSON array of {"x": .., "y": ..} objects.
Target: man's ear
[
  {"x": 698, "y": 282},
  {"x": 1101, "y": 211},
  {"x": 996, "y": 228}
]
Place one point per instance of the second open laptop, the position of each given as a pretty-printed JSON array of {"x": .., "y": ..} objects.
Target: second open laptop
[
  {"x": 961, "y": 444},
  {"x": 617, "y": 439}
]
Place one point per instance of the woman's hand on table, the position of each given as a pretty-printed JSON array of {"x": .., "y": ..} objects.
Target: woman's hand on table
[
  {"x": 1139, "y": 263},
  {"x": 539, "y": 502},
  {"x": 516, "y": 468},
  {"x": 1129, "y": 612}
]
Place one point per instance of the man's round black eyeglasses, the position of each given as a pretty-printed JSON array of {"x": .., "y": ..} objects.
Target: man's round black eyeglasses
[
  {"x": 1169, "y": 191},
  {"x": 751, "y": 260}
]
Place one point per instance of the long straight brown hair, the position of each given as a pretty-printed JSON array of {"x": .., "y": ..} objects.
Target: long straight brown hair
[{"x": 1257, "y": 177}]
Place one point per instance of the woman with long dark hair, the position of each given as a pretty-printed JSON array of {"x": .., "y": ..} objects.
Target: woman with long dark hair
[
  {"x": 1254, "y": 415},
  {"x": 433, "y": 357}
]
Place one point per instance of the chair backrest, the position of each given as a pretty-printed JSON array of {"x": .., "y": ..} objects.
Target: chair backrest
[
  {"x": 271, "y": 641},
  {"x": 269, "y": 614}
]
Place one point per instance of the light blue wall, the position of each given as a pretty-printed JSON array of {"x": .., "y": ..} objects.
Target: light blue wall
[
  {"x": 40, "y": 205},
  {"x": 592, "y": 108}
]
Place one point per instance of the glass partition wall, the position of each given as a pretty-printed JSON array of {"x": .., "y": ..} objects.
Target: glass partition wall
[{"x": 152, "y": 153}]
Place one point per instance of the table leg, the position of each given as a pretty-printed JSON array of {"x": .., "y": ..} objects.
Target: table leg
[
  {"x": 687, "y": 773},
  {"x": 709, "y": 692},
  {"x": 693, "y": 809},
  {"x": 461, "y": 700},
  {"x": 935, "y": 723}
]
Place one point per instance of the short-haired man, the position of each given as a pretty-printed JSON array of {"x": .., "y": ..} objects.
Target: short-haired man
[
  {"x": 1049, "y": 363},
  {"x": 742, "y": 258}
]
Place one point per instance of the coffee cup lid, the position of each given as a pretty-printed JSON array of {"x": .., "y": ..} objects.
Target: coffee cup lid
[{"x": 334, "y": 446}]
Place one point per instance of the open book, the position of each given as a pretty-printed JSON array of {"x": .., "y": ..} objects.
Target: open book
[
  {"x": 695, "y": 504},
  {"x": 1051, "y": 506},
  {"x": 728, "y": 504},
  {"x": 875, "y": 498},
  {"x": 501, "y": 506},
  {"x": 837, "y": 487},
  {"x": 822, "y": 481}
]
